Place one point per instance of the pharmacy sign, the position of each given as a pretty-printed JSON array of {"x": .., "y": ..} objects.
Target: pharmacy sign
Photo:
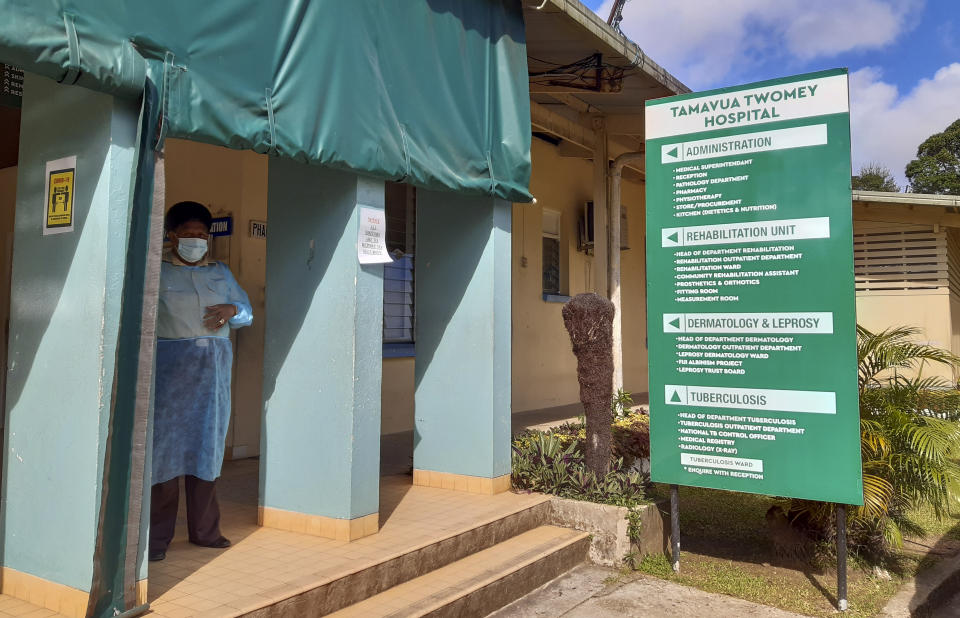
[{"x": 751, "y": 308}]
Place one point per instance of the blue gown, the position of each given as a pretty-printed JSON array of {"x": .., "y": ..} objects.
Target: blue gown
[{"x": 193, "y": 370}]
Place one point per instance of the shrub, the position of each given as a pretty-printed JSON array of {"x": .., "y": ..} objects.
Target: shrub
[
  {"x": 631, "y": 437},
  {"x": 620, "y": 405},
  {"x": 553, "y": 463},
  {"x": 909, "y": 443},
  {"x": 525, "y": 440}
]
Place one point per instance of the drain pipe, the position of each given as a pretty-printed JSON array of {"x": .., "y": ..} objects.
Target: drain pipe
[{"x": 613, "y": 271}]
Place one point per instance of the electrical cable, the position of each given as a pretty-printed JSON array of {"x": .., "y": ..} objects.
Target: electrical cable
[{"x": 589, "y": 71}]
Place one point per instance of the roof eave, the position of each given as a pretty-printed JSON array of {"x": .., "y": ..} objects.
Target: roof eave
[{"x": 615, "y": 42}]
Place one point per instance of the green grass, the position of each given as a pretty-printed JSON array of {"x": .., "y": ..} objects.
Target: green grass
[
  {"x": 809, "y": 593},
  {"x": 946, "y": 528},
  {"x": 727, "y": 551},
  {"x": 655, "y": 564}
]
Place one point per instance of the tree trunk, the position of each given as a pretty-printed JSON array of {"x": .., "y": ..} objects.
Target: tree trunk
[
  {"x": 589, "y": 320},
  {"x": 599, "y": 436}
]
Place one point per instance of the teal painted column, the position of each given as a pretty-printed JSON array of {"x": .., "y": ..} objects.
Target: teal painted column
[
  {"x": 320, "y": 456},
  {"x": 462, "y": 420},
  {"x": 64, "y": 321}
]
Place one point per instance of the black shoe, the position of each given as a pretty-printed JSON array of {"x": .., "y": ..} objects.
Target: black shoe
[
  {"x": 157, "y": 556},
  {"x": 221, "y": 543}
]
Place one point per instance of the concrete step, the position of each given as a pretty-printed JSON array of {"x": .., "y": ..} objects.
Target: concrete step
[
  {"x": 483, "y": 582},
  {"x": 322, "y": 597}
]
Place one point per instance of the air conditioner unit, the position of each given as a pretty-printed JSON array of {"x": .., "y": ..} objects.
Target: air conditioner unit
[{"x": 585, "y": 229}]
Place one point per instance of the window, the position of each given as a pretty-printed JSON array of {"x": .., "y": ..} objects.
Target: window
[
  {"x": 551, "y": 252},
  {"x": 399, "y": 309}
]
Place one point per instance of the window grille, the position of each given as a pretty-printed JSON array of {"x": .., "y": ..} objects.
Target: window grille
[
  {"x": 551, "y": 252},
  {"x": 399, "y": 303}
]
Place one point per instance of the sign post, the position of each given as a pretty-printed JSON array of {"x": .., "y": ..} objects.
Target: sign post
[
  {"x": 675, "y": 527},
  {"x": 750, "y": 291}
]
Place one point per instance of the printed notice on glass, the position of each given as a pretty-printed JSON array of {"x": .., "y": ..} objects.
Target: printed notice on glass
[{"x": 372, "y": 237}]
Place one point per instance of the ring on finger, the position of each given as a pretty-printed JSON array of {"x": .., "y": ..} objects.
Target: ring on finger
[{"x": 220, "y": 322}]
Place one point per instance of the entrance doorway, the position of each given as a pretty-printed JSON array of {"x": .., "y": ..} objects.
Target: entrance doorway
[
  {"x": 233, "y": 185},
  {"x": 399, "y": 322}
]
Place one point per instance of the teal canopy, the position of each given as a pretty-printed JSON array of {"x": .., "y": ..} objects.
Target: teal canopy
[{"x": 430, "y": 92}]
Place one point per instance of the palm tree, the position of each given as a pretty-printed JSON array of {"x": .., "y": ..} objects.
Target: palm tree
[
  {"x": 909, "y": 430},
  {"x": 909, "y": 442}
]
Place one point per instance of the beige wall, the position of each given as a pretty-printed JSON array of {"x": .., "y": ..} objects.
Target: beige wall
[
  {"x": 954, "y": 325},
  {"x": 931, "y": 313},
  {"x": 544, "y": 368},
  {"x": 633, "y": 284},
  {"x": 232, "y": 182},
  {"x": 396, "y": 395},
  {"x": 906, "y": 275}
]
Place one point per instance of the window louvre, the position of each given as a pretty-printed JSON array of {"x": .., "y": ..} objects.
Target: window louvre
[
  {"x": 399, "y": 306},
  {"x": 896, "y": 258}
]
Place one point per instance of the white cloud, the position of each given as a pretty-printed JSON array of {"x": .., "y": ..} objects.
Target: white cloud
[
  {"x": 707, "y": 43},
  {"x": 887, "y": 127},
  {"x": 835, "y": 27}
]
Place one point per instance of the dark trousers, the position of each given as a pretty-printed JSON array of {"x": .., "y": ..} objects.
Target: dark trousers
[{"x": 203, "y": 511}]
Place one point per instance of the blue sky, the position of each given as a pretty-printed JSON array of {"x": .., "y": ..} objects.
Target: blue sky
[{"x": 903, "y": 57}]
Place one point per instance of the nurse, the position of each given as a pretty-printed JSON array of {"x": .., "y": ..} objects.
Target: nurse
[{"x": 200, "y": 302}]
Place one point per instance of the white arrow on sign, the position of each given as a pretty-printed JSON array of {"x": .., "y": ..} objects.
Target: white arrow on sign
[
  {"x": 671, "y": 236},
  {"x": 673, "y": 323},
  {"x": 675, "y": 395},
  {"x": 671, "y": 153}
]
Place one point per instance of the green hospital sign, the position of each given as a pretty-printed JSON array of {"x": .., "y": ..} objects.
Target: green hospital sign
[{"x": 750, "y": 291}]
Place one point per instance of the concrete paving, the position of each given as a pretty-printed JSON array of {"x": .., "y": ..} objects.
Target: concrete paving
[
  {"x": 935, "y": 592},
  {"x": 594, "y": 592},
  {"x": 949, "y": 609}
]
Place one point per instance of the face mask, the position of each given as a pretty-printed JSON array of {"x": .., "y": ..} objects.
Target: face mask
[{"x": 192, "y": 249}]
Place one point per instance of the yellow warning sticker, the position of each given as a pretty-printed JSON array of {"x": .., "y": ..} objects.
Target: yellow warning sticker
[
  {"x": 60, "y": 207},
  {"x": 60, "y": 195}
]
